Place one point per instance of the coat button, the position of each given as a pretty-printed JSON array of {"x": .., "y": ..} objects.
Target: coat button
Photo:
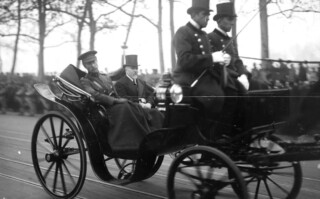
[
  {"x": 201, "y": 46},
  {"x": 196, "y": 35},
  {"x": 199, "y": 40},
  {"x": 221, "y": 40},
  {"x": 203, "y": 52}
]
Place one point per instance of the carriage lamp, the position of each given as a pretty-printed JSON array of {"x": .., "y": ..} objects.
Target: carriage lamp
[
  {"x": 161, "y": 93},
  {"x": 176, "y": 93}
]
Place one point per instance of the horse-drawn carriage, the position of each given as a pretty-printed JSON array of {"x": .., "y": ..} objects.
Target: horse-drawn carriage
[{"x": 203, "y": 168}]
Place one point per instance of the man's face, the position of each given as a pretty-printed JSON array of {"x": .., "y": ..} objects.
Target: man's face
[
  {"x": 226, "y": 23},
  {"x": 202, "y": 18},
  {"x": 132, "y": 72},
  {"x": 91, "y": 66}
]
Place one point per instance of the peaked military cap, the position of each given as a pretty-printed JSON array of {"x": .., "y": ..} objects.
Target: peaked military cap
[
  {"x": 88, "y": 56},
  {"x": 225, "y": 8},
  {"x": 201, "y": 5}
]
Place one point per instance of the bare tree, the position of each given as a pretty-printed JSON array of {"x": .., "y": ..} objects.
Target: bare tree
[
  {"x": 158, "y": 26},
  {"x": 16, "y": 44}
]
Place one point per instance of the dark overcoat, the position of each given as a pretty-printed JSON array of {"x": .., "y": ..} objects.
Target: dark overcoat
[
  {"x": 193, "y": 57},
  {"x": 126, "y": 88}
]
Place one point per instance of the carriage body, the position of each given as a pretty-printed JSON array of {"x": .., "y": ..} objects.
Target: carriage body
[{"x": 84, "y": 125}]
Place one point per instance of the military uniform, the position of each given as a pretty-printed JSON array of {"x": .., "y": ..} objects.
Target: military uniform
[{"x": 193, "y": 57}]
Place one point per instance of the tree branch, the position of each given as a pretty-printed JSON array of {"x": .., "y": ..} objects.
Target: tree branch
[{"x": 130, "y": 15}]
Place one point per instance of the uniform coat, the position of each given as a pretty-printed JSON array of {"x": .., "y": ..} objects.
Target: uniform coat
[
  {"x": 193, "y": 57},
  {"x": 126, "y": 88}
]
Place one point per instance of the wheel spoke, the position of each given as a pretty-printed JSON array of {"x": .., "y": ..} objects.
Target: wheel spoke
[
  {"x": 72, "y": 165},
  {"x": 49, "y": 169},
  {"x": 60, "y": 135},
  {"x": 48, "y": 138},
  {"x": 257, "y": 189},
  {"x": 267, "y": 187},
  {"x": 53, "y": 132},
  {"x": 55, "y": 178},
  {"x": 191, "y": 177},
  {"x": 278, "y": 185},
  {"x": 70, "y": 176},
  {"x": 62, "y": 179},
  {"x": 44, "y": 147}
]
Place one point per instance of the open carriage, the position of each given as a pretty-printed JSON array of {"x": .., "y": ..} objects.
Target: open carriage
[{"x": 62, "y": 141}]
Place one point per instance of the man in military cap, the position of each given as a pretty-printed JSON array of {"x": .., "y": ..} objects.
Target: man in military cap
[
  {"x": 194, "y": 57},
  {"x": 133, "y": 88}
]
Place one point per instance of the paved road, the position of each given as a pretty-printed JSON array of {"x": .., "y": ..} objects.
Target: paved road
[{"x": 18, "y": 179}]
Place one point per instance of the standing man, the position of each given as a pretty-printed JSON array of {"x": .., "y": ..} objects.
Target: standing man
[
  {"x": 133, "y": 88},
  {"x": 194, "y": 60},
  {"x": 220, "y": 40}
]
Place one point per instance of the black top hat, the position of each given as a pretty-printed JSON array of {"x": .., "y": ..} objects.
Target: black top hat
[
  {"x": 131, "y": 61},
  {"x": 88, "y": 56},
  {"x": 200, "y": 5},
  {"x": 225, "y": 9}
]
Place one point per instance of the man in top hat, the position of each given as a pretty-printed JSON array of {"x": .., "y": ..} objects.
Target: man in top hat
[
  {"x": 194, "y": 56},
  {"x": 220, "y": 40},
  {"x": 236, "y": 81},
  {"x": 133, "y": 88}
]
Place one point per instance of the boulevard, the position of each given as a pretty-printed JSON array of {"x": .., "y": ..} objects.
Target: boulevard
[{"x": 18, "y": 178}]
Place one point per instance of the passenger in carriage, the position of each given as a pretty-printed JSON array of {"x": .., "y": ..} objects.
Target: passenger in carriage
[
  {"x": 131, "y": 87},
  {"x": 129, "y": 122}
]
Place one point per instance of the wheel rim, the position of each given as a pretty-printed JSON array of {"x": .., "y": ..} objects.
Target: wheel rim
[
  {"x": 207, "y": 177},
  {"x": 274, "y": 180},
  {"x": 58, "y": 156}
]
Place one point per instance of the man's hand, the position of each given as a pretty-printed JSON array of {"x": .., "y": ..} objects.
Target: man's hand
[
  {"x": 218, "y": 57},
  {"x": 227, "y": 59},
  {"x": 145, "y": 105}
]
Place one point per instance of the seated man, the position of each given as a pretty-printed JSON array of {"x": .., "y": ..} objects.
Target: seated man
[
  {"x": 128, "y": 121},
  {"x": 133, "y": 88}
]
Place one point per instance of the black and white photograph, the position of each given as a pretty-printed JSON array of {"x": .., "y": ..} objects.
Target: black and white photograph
[{"x": 156, "y": 99}]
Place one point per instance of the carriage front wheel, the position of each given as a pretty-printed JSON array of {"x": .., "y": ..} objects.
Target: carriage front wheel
[
  {"x": 204, "y": 172},
  {"x": 58, "y": 155}
]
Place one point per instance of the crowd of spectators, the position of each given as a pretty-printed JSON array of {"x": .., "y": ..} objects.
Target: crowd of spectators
[{"x": 17, "y": 93}]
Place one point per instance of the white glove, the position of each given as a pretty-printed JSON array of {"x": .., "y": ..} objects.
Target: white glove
[
  {"x": 218, "y": 57},
  {"x": 227, "y": 59},
  {"x": 145, "y": 105},
  {"x": 244, "y": 81}
]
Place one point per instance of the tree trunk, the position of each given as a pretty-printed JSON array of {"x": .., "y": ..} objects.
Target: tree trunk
[
  {"x": 42, "y": 30},
  {"x": 80, "y": 28},
  {"x": 92, "y": 25},
  {"x": 124, "y": 46},
  {"x": 234, "y": 33},
  {"x": 160, "y": 36},
  {"x": 172, "y": 31},
  {"x": 16, "y": 44},
  {"x": 264, "y": 30}
]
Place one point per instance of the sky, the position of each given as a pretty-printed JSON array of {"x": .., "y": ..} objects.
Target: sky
[{"x": 294, "y": 39}]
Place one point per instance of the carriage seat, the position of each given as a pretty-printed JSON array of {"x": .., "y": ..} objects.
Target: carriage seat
[{"x": 70, "y": 85}]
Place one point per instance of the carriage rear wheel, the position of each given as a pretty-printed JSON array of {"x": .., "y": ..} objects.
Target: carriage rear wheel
[
  {"x": 58, "y": 155},
  {"x": 204, "y": 172},
  {"x": 273, "y": 180}
]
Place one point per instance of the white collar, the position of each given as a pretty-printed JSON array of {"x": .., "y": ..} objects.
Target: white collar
[
  {"x": 222, "y": 31},
  {"x": 129, "y": 77},
  {"x": 195, "y": 24}
]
